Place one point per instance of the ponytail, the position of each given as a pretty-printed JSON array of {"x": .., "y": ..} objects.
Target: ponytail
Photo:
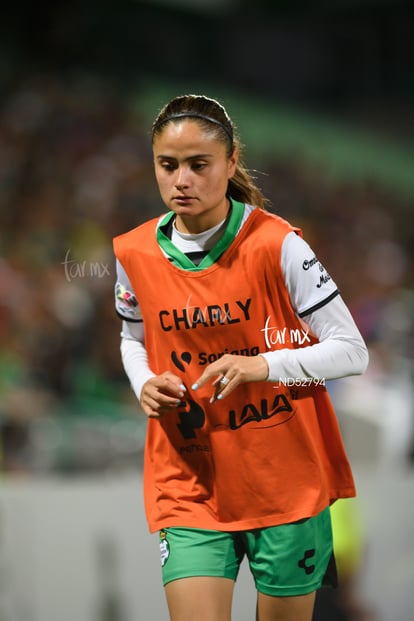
[{"x": 242, "y": 188}]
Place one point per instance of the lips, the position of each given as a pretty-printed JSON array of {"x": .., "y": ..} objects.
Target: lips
[{"x": 183, "y": 199}]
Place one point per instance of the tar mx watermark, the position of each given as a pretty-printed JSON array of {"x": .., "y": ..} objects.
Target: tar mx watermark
[{"x": 84, "y": 269}]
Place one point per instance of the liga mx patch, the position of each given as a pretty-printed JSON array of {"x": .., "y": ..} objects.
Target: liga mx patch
[
  {"x": 126, "y": 302},
  {"x": 164, "y": 548}
]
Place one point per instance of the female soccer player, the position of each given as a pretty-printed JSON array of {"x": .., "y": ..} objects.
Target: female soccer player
[{"x": 231, "y": 327}]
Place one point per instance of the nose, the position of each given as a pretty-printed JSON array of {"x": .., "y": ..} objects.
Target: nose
[{"x": 181, "y": 180}]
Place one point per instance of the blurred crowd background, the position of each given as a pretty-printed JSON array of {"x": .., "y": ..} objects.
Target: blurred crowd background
[{"x": 322, "y": 94}]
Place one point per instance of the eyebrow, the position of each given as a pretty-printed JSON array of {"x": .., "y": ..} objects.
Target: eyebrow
[{"x": 187, "y": 159}]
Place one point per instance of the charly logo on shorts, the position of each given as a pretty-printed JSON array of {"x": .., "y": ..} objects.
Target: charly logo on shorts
[{"x": 164, "y": 548}]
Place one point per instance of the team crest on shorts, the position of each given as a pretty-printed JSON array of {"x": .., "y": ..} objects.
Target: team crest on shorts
[{"x": 164, "y": 548}]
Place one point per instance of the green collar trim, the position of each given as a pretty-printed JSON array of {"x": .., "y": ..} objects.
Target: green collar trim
[{"x": 181, "y": 260}]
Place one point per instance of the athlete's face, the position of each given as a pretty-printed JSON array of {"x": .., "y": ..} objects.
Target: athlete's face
[{"x": 192, "y": 171}]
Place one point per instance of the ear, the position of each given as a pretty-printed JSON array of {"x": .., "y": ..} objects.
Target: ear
[{"x": 232, "y": 163}]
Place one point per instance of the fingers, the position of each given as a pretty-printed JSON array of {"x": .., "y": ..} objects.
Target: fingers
[
  {"x": 230, "y": 371},
  {"x": 161, "y": 393},
  {"x": 220, "y": 385},
  {"x": 164, "y": 392}
]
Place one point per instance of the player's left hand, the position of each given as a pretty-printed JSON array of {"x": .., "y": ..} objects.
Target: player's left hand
[{"x": 229, "y": 371}]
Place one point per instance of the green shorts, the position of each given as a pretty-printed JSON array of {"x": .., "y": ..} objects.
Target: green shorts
[{"x": 290, "y": 559}]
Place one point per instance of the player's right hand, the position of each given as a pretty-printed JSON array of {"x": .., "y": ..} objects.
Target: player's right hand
[{"x": 161, "y": 393}]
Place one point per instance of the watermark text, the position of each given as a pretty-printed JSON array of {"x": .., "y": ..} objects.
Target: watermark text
[
  {"x": 301, "y": 381},
  {"x": 84, "y": 269}
]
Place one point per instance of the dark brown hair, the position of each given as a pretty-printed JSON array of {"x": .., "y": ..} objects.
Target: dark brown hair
[{"x": 212, "y": 116}]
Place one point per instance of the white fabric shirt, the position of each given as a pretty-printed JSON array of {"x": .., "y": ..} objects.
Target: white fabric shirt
[{"x": 341, "y": 350}]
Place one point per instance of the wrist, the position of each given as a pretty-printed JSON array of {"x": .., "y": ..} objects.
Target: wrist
[{"x": 265, "y": 367}]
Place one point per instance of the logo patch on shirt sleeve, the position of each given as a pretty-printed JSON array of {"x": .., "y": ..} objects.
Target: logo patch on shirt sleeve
[{"x": 126, "y": 302}]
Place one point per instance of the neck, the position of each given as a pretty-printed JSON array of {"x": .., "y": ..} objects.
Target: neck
[{"x": 200, "y": 223}]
